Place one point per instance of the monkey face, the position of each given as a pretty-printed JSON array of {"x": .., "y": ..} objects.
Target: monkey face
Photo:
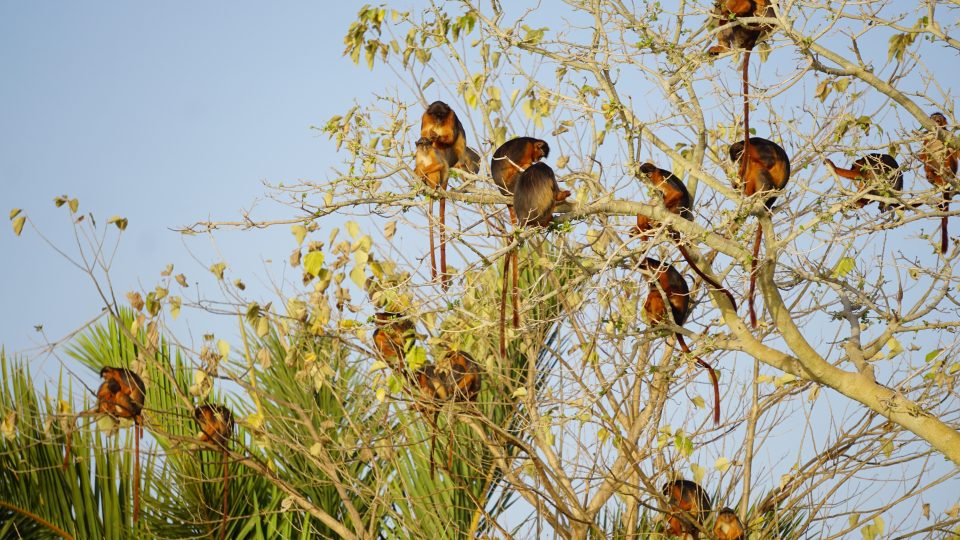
[{"x": 939, "y": 118}]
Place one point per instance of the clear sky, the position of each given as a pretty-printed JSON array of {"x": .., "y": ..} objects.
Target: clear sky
[{"x": 166, "y": 113}]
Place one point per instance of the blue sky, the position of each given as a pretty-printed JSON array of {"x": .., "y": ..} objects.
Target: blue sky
[{"x": 166, "y": 114}]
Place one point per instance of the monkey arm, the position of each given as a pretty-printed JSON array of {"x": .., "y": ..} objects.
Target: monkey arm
[{"x": 843, "y": 173}]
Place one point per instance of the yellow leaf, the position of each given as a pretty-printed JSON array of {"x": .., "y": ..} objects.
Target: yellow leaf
[
  {"x": 182, "y": 280},
  {"x": 74, "y": 205},
  {"x": 263, "y": 327},
  {"x": 519, "y": 392},
  {"x": 255, "y": 421},
  {"x": 389, "y": 229},
  {"x": 328, "y": 198},
  {"x": 224, "y": 348},
  {"x": 299, "y": 232},
  {"x": 698, "y": 402},
  {"x": 844, "y": 266},
  {"x": 378, "y": 365},
  {"x": 14, "y": 213},
  {"x": 358, "y": 276},
  {"x": 721, "y": 464},
  {"x": 120, "y": 222},
  {"x": 313, "y": 263},
  {"x": 381, "y": 393},
  {"x": 18, "y": 225},
  {"x": 352, "y": 229},
  {"x": 316, "y": 449},
  {"x": 698, "y": 472},
  {"x": 894, "y": 346},
  {"x": 174, "y": 306},
  {"x": 167, "y": 271},
  {"x": 218, "y": 269}
]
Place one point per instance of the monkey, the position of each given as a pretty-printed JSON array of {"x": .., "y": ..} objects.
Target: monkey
[
  {"x": 728, "y": 526},
  {"x": 393, "y": 338},
  {"x": 456, "y": 378},
  {"x": 216, "y": 426},
  {"x": 509, "y": 160},
  {"x": 442, "y": 146},
  {"x": 512, "y": 158},
  {"x": 441, "y": 126},
  {"x": 667, "y": 282},
  {"x": 940, "y": 168},
  {"x": 739, "y": 36},
  {"x": 121, "y": 395},
  {"x": 746, "y": 37},
  {"x": 687, "y": 500},
  {"x": 765, "y": 170},
  {"x": 433, "y": 169},
  {"x": 536, "y": 194},
  {"x": 870, "y": 169},
  {"x": 678, "y": 201}
]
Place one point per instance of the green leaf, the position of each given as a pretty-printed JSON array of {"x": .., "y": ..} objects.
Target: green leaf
[
  {"x": 313, "y": 263},
  {"x": 932, "y": 355},
  {"x": 416, "y": 358},
  {"x": 18, "y": 225}
]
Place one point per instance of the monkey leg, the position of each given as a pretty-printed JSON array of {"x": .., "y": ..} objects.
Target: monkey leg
[
  {"x": 753, "y": 274},
  {"x": 713, "y": 378}
]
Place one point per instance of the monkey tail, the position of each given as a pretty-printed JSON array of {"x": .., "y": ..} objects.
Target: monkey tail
[
  {"x": 444, "y": 277},
  {"x": 746, "y": 116},
  {"x": 703, "y": 276},
  {"x": 713, "y": 378},
  {"x": 138, "y": 432},
  {"x": 226, "y": 482},
  {"x": 944, "y": 237},
  {"x": 753, "y": 274},
  {"x": 433, "y": 257},
  {"x": 503, "y": 305},
  {"x": 515, "y": 291}
]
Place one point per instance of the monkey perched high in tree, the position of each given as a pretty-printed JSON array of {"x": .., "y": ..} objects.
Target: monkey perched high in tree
[
  {"x": 765, "y": 170},
  {"x": 455, "y": 378},
  {"x": 121, "y": 395},
  {"x": 689, "y": 505},
  {"x": 535, "y": 196},
  {"x": 216, "y": 428},
  {"x": 668, "y": 288},
  {"x": 873, "y": 169},
  {"x": 508, "y": 162},
  {"x": 940, "y": 168},
  {"x": 442, "y": 146},
  {"x": 678, "y": 201}
]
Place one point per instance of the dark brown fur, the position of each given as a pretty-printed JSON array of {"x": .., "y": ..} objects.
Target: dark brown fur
[
  {"x": 687, "y": 500},
  {"x": 457, "y": 379},
  {"x": 678, "y": 201},
  {"x": 536, "y": 194},
  {"x": 765, "y": 170},
  {"x": 216, "y": 426},
  {"x": 122, "y": 395},
  {"x": 728, "y": 526},
  {"x": 509, "y": 160},
  {"x": 873, "y": 169},
  {"x": 667, "y": 282},
  {"x": 392, "y": 338},
  {"x": 940, "y": 167},
  {"x": 739, "y": 36},
  {"x": 512, "y": 158}
]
